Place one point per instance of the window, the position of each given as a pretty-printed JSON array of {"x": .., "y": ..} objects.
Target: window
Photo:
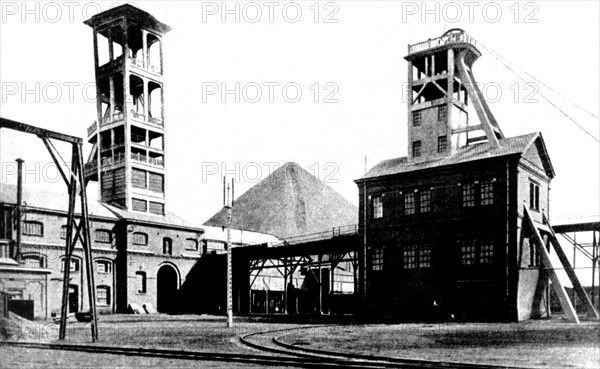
[
  {"x": 409, "y": 203},
  {"x": 103, "y": 295},
  {"x": 167, "y": 246},
  {"x": 534, "y": 196},
  {"x": 416, "y": 148},
  {"x": 6, "y": 221},
  {"x": 63, "y": 232},
  {"x": 103, "y": 235},
  {"x": 377, "y": 259},
  {"x": 377, "y": 207},
  {"x": 468, "y": 253},
  {"x": 156, "y": 182},
  {"x": 425, "y": 201},
  {"x": 409, "y": 256},
  {"x": 468, "y": 195},
  {"x": 442, "y": 144},
  {"x": 74, "y": 265},
  {"x": 157, "y": 208},
  {"x": 424, "y": 255},
  {"x": 416, "y": 115},
  {"x": 140, "y": 238},
  {"x": 31, "y": 228},
  {"x": 487, "y": 193},
  {"x": 417, "y": 255},
  {"x": 486, "y": 252},
  {"x": 534, "y": 257},
  {"x": 442, "y": 113},
  {"x": 139, "y": 205},
  {"x": 103, "y": 266},
  {"x": 33, "y": 261},
  {"x": 138, "y": 178},
  {"x": 476, "y": 251},
  {"x": 140, "y": 278},
  {"x": 191, "y": 244}
]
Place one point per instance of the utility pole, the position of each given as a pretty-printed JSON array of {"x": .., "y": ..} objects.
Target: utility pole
[{"x": 228, "y": 204}]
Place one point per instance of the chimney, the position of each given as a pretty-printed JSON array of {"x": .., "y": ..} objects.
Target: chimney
[{"x": 19, "y": 202}]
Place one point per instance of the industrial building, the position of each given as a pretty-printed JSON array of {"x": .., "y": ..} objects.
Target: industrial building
[{"x": 452, "y": 230}]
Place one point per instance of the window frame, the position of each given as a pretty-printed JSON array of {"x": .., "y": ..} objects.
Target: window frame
[
  {"x": 107, "y": 299},
  {"x": 377, "y": 207},
  {"x": 187, "y": 243},
  {"x": 106, "y": 263},
  {"x": 103, "y": 231},
  {"x": 143, "y": 281},
  {"x": 534, "y": 195},
  {"x": 133, "y": 240},
  {"x": 26, "y": 231},
  {"x": 442, "y": 145},
  {"x": 442, "y": 113},
  {"x": 416, "y": 148},
  {"x": 377, "y": 258},
  {"x": 417, "y": 118},
  {"x": 167, "y": 241}
]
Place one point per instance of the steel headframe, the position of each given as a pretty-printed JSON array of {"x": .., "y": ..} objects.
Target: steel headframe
[{"x": 76, "y": 184}]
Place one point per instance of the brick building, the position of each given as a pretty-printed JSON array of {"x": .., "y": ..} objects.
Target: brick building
[{"x": 442, "y": 227}]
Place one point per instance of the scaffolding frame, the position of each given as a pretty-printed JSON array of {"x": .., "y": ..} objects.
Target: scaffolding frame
[{"x": 76, "y": 185}]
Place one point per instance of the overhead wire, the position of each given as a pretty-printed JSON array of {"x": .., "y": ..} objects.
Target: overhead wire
[{"x": 502, "y": 61}]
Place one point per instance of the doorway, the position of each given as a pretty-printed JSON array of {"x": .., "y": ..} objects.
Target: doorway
[{"x": 166, "y": 288}]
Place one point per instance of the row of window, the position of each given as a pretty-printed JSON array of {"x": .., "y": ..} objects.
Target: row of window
[
  {"x": 35, "y": 228},
  {"x": 411, "y": 202},
  {"x": 420, "y": 200},
  {"x": 141, "y": 239},
  {"x": 418, "y": 255},
  {"x": 442, "y": 114}
]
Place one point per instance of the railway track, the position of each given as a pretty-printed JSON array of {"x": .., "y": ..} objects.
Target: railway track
[
  {"x": 271, "y": 341},
  {"x": 279, "y": 354}
]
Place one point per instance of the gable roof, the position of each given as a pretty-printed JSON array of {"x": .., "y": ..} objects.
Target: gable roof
[
  {"x": 289, "y": 202},
  {"x": 58, "y": 202},
  {"x": 517, "y": 145}
]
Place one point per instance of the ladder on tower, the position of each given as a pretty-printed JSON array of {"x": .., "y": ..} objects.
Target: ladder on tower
[{"x": 565, "y": 302}]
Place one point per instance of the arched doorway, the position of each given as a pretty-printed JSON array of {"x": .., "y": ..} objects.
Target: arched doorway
[{"x": 166, "y": 288}]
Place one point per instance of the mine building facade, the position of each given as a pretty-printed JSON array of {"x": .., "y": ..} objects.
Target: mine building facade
[{"x": 441, "y": 228}]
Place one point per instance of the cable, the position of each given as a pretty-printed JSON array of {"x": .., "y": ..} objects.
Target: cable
[
  {"x": 545, "y": 98},
  {"x": 542, "y": 83}
]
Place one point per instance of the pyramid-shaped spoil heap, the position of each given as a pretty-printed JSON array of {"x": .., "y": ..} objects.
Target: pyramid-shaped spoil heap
[{"x": 289, "y": 202}]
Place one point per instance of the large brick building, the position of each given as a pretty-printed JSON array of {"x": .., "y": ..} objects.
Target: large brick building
[
  {"x": 442, "y": 227},
  {"x": 137, "y": 258}
]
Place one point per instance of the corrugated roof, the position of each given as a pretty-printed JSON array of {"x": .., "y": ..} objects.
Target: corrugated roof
[
  {"x": 289, "y": 202},
  {"x": 55, "y": 201},
  {"x": 508, "y": 146}
]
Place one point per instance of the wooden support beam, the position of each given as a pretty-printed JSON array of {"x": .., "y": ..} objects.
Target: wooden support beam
[
  {"x": 565, "y": 303},
  {"x": 40, "y": 132},
  {"x": 571, "y": 272}
]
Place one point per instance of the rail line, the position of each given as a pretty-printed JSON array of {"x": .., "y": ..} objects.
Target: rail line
[
  {"x": 280, "y": 354},
  {"x": 271, "y": 341}
]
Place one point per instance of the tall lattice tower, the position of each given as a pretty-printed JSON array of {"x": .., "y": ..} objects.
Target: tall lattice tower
[
  {"x": 128, "y": 138},
  {"x": 440, "y": 88}
]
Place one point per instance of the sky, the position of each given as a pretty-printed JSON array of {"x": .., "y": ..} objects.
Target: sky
[{"x": 345, "y": 58}]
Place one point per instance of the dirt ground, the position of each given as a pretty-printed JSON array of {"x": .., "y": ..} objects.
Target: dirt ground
[{"x": 543, "y": 344}]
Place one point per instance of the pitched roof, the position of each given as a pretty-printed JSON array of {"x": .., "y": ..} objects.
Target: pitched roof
[
  {"x": 289, "y": 202},
  {"x": 508, "y": 146},
  {"x": 47, "y": 200},
  {"x": 53, "y": 201}
]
